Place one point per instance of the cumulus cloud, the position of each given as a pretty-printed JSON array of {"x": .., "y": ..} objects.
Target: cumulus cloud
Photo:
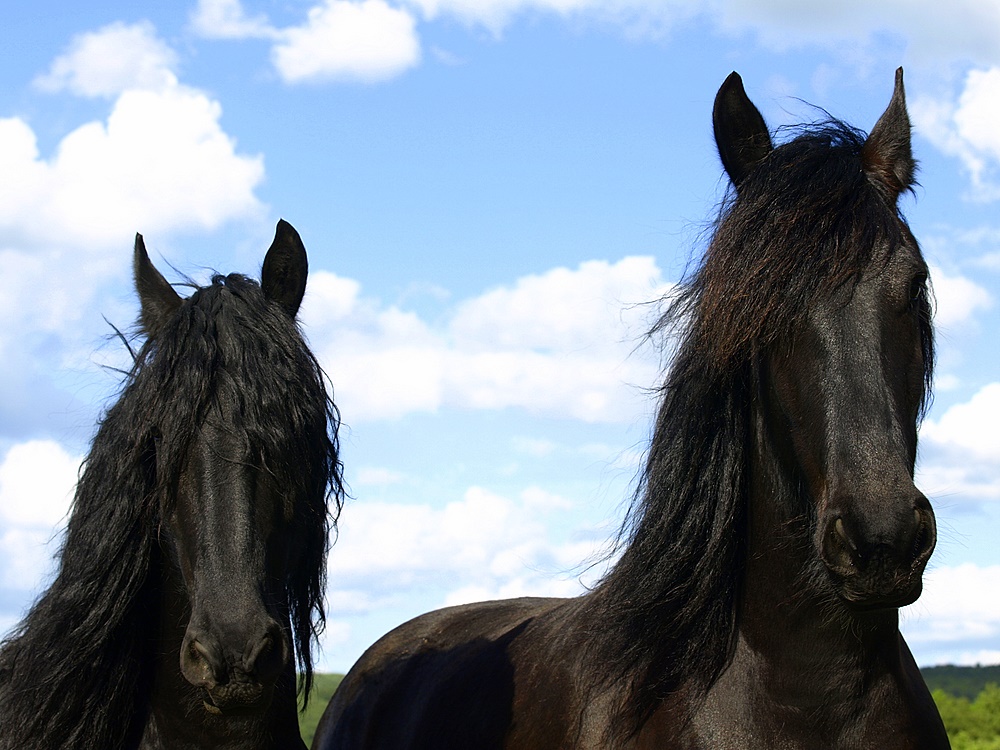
[
  {"x": 954, "y": 609},
  {"x": 160, "y": 161},
  {"x": 367, "y": 41},
  {"x": 484, "y": 546},
  {"x": 962, "y": 30},
  {"x": 114, "y": 59},
  {"x": 636, "y": 17},
  {"x": 226, "y": 19},
  {"x": 957, "y": 299},
  {"x": 965, "y": 127},
  {"x": 374, "y": 40},
  {"x": 558, "y": 343},
  {"x": 970, "y": 426},
  {"x": 341, "y": 40},
  {"x": 961, "y": 449},
  {"x": 37, "y": 479}
]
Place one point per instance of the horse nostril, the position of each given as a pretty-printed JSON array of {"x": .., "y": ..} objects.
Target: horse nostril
[
  {"x": 925, "y": 536},
  {"x": 838, "y": 527},
  {"x": 268, "y": 657},
  {"x": 839, "y": 550},
  {"x": 199, "y": 664}
]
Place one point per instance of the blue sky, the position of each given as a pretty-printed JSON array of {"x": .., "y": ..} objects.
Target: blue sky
[{"x": 488, "y": 192}]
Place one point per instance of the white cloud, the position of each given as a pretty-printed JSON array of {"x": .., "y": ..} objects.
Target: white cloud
[
  {"x": 483, "y": 543},
  {"x": 961, "y": 449},
  {"x": 561, "y": 309},
  {"x": 964, "y": 30},
  {"x": 28, "y": 559},
  {"x": 374, "y": 40},
  {"x": 960, "y": 30},
  {"x": 558, "y": 343},
  {"x": 114, "y": 59},
  {"x": 966, "y": 128},
  {"x": 970, "y": 427},
  {"x": 160, "y": 161},
  {"x": 37, "y": 479},
  {"x": 341, "y": 40},
  {"x": 957, "y": 299},
  {"x": 368, "y": 41},
  {"x": 226, "y": 19},
  {"x": 954, "y": 607},
  {"x": 329, "y": 297},
  {"x": 635, "y": 17}
]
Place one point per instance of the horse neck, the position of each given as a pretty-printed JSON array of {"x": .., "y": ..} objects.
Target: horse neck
[{"x": 178, "y": 719}]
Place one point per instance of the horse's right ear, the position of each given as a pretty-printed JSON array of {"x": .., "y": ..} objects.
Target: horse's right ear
[
  {"x": 740, "y": 131},
  {"x": 283, "y": 275},
  {"x": 157, "y": 299}
]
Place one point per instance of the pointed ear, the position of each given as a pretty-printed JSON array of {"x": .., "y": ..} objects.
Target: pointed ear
[
  {"x": 740, "y": 131},
  {"x": 283, "y": 276},
  {"x": 157, "y": 299},
  {"x": 886, "y": 155}
]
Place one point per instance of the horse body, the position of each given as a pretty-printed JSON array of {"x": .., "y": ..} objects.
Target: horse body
[
  {"x": 777, "y": 529},
  {"x": 193, "y": 569}
]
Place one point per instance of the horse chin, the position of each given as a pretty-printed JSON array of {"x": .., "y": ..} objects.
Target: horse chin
[
  {"x": 238, "y": 699},
  {"x": 869, "y": 596}
]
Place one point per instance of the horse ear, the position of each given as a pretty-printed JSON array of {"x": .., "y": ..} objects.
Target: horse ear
[
  {"x": 283, "y": 276},
  {"x": 157, "y": 299},
  {"x": 740, "y": 131},
  {"x": 886, "y": 154}
]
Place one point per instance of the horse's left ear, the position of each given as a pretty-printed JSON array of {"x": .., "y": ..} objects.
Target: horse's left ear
[
  {"x": 283, "y": 276},
  {"x": 886, "y": 155},
  {"x": 740, "y": 131}
]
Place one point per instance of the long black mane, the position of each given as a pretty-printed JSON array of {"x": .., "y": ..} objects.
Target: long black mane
[
  {"x": 77, "y": 670},
  {"x": 806, "y": 221}
]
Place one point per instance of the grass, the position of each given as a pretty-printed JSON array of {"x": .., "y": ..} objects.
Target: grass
[{"x": 323, "y": 688}]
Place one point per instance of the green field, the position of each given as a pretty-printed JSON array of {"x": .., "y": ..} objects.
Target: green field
[
  {"x": 322, "y": 691},
  {"x": 968, "y": 698}
]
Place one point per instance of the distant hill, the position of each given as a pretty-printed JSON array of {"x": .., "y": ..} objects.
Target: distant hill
[{"x": 961, "y": 682}]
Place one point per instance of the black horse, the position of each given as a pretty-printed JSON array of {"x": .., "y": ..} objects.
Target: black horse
[
  {"x": 777, "y": 529},
  {"x": 195, "y": 554}
]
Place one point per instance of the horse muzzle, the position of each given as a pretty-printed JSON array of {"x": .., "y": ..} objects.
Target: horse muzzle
[
  {"x": 879, "y": 567},
  {"x": 239, "y": 678}
]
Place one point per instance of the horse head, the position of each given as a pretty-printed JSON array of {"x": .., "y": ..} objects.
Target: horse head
[
  {"x": 843, "y": 384},
  {"x": 243, "y": 468}
]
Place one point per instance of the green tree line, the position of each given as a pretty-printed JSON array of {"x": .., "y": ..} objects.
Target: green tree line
[{"x": 972, "y": 724}]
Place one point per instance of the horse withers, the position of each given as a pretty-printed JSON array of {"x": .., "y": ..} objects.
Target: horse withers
[{"x": 776, "y": 530}]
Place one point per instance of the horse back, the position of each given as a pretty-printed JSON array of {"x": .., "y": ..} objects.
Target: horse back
[{"x": 452, "y": 678}]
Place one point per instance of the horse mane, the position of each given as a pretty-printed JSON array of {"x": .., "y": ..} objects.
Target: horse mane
[
  {"x": 77, "y": 671},
  {"x": 806, "y": 221}
]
